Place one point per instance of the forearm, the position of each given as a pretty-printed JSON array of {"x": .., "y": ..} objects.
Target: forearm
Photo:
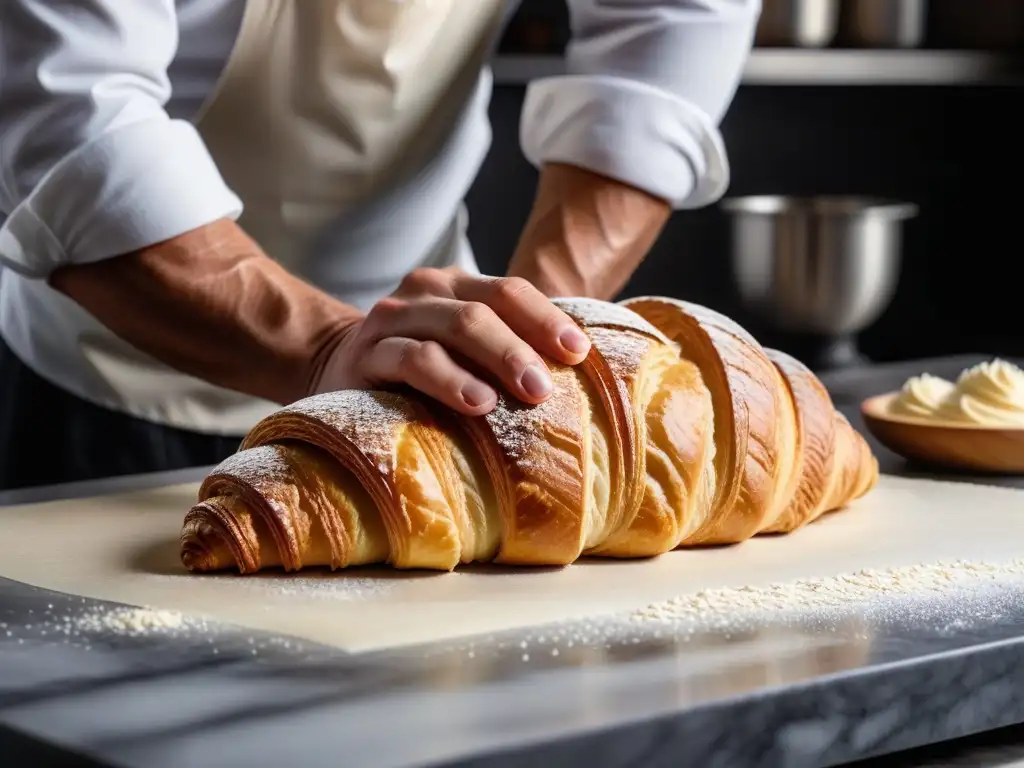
[
  {"x": 647, "y": 83},
  {"x": 586, "y": 233},
  {"x": 209, "y": 303}
]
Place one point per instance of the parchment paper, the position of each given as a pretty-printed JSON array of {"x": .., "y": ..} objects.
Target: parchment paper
[{"x": 125, "y": 548}]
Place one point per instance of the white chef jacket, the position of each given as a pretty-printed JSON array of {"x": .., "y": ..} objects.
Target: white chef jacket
[{"x": 99, "y": 155}]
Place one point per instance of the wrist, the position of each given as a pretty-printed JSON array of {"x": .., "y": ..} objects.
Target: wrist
[{"x": 325, "y": 350}]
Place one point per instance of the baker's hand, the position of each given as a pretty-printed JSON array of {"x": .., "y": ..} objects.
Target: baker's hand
[{"x": 439, "y": 317}]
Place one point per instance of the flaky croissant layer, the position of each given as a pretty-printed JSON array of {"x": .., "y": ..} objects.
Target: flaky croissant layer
[{"x": 679, "y": 429}]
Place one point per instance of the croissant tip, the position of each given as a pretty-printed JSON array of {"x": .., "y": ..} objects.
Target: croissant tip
[
  {"x": 204, "y": 549},
  {"x": 195, "y": 556},
  {"x": 189, "y": 560}
]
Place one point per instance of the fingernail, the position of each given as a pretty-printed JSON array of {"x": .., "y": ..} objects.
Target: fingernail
[
  {"x": 574, "y": 340},
  {"x": 536, "y": 381},
  {"x": 476, "y": 393}
]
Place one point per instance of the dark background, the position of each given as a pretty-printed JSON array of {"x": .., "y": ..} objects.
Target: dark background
[{"x": 956, "y": 151}]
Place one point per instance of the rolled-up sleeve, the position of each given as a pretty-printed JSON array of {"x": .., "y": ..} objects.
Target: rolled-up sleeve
[
  {"x": 91, "y": 165},
  {"x": 647, "y": 83}
]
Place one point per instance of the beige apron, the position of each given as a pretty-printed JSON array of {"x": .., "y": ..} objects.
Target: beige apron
[
  {"x": 329, "y": 104},
  {"x": 330, "y": 114}
]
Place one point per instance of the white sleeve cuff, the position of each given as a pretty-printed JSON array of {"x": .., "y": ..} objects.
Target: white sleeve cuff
[
  {"x": 132, "y": 187},
  {"x": 629, "y": 131}
]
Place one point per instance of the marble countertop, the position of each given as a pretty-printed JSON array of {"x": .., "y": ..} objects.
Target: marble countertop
[{"x": 815, "y": 693}]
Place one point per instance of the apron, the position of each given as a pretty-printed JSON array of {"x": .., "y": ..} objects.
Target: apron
[
  {"x": 335, "y": 106},
  {"x": 330, "y": 121}
]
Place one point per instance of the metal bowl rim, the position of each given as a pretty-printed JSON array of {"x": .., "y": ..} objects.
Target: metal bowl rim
[{"x": 826, "y": 206}]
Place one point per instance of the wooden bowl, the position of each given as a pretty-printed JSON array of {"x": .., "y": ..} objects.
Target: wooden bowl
[{"x": 960, "y": 446}]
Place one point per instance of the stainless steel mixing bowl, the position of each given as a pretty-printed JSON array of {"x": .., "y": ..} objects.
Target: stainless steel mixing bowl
[{"x": 819, "y": 266}]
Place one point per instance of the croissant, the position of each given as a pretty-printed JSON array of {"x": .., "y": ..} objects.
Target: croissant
[{"x": 678, "y": 429}]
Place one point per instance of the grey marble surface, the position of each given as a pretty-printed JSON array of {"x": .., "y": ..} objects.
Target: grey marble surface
[{"x": 825, "y": 690}]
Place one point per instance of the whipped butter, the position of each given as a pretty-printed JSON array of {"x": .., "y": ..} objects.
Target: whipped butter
[
  {"x": 921, "y": 396},
  {"x": 990, "y": 394},
  {"x": 987, "y": 395}
]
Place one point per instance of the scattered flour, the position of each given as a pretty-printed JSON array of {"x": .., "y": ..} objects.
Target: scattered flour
[
  {"x": 339, "y": 586},
  {"x": 130, "y": 621},
  {"x": 715, "y": 610},
  {"x": 948, "y": 596},
  {"x": 74, "y": 623},
  {"x": 815, "y": 596},
  {"x": 82, "y": 627},
  {"x": 342, "y": 585},
  {"x": 78, "y": 626}
]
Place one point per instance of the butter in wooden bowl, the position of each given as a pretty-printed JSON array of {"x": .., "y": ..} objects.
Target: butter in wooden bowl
[{"x": 976, "y": 422}]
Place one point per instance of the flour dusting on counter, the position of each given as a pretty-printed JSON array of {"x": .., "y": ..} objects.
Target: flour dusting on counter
[
  {"x": 948, "y": 596},
  {"x": 73, "y": 623},
  {"x": 132, "y": 621},
  {"x": 816, "y": 596},
  {"x": 339, "y": 586},
  {"x": 78, "y": 624}
]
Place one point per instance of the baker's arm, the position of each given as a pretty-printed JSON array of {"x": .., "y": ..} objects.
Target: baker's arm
[
  {"x": 93, "y": 168},
  {"x": 123, "y": 210},
  {"x": 628, "y": 135},
  {"x": 210, "y": 303}
]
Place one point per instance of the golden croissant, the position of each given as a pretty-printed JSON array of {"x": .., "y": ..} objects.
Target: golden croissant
[{"x": 678, "y": 429}]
